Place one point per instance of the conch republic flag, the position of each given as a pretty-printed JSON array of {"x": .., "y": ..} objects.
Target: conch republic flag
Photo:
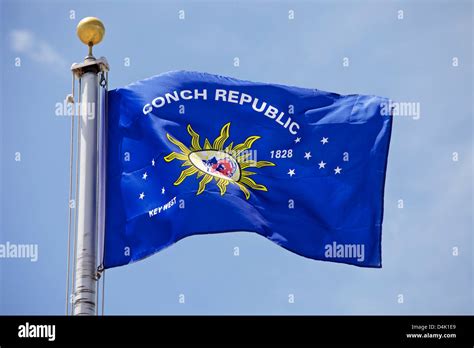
[{"x": 193, "y": 153}]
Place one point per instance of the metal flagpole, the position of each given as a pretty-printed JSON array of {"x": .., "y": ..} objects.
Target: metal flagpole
[{"x": 90, "y": 31}]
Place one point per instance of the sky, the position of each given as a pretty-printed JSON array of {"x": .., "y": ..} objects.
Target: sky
[{"x": 409, "y": 51}]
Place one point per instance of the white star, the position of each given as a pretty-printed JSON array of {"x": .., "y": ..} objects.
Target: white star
[
  {"x": 307, "y": 155},
  {"x": 297, "y": 140},
  {"x": 142, "y": 195},
  {"x": 291, "y": 172},
  {"x": 153, "y": 162},
  {"x": 322, "y": 165},
  {"x": 337, "y": 170},
  {"x": 325, "y": 140},
  {"x": 163, "y": 191},
  {"x": 145, "y": 175}
]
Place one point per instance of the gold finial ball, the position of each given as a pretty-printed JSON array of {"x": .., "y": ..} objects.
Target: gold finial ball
[{"x": 91, "y": 31}]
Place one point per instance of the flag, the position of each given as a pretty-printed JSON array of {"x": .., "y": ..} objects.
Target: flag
[{"x": 193, "y": 153}]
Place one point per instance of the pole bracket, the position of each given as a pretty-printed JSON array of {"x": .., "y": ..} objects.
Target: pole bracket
[
  {"x": 99, "y": 271},
  {"x": 90, "y": 64}
]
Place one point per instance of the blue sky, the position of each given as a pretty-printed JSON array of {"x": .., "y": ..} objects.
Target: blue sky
[{"x": 409, "y": 59}]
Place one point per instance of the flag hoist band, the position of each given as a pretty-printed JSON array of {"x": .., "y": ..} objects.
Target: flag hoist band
[{"x": 87, "y": 174}]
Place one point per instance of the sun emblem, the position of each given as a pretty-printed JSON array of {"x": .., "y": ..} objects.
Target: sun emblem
[{"x": 226, "y": 165}]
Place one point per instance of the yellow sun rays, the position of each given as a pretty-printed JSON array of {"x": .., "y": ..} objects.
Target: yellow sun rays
[{"x": 232, "y": 153}]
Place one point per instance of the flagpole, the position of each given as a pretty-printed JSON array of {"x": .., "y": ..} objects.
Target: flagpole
[{"x": 90, "y": 31}]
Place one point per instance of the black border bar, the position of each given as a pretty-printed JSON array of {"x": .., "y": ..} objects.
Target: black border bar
[{"x": 225, "y": 330}]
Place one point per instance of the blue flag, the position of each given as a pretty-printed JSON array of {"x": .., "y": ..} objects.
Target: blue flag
[{"x": 193, "y": 153}]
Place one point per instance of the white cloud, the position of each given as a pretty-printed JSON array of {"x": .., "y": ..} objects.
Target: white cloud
[{"x": 25, "y": 42}]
